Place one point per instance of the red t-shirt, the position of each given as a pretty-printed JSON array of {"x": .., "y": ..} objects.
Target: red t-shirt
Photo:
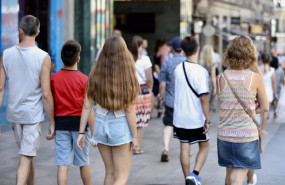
[{"x": 68, "y": 89}]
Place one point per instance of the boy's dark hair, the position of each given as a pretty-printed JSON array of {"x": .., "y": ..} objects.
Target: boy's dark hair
[
  {"x": 189, "y": 45},
  {"x": 30, "y": 25},
  {"x": 69, "y": 52}
]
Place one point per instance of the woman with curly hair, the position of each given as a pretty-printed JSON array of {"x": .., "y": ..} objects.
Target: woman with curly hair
[
  {"x": 113, "y": 86},
  {"x": 238, "y": 136}
]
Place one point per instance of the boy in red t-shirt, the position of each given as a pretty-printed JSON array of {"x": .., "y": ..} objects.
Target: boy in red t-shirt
[{"x": 68, "y": 87}]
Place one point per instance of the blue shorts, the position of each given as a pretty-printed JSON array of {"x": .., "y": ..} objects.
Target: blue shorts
[
  {"x": 111, "y": 130},
  {"x": 65, "y": 144},
  {"x": 239, "y": 155}
]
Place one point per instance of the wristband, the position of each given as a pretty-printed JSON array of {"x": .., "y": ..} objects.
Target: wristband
[
  {"x": 208, "y": 122},
  {"x": 81, "y": 133}
]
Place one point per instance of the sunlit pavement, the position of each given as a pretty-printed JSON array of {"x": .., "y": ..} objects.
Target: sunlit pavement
[{"x": 146, "y": 168}]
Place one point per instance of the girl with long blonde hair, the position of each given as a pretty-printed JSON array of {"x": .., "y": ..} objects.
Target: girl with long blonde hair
[
  {"x": 113, "y": 86},
  {"x": 208, "y": 61}
]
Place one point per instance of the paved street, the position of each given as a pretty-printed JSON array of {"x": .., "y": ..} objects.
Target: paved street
[{"x": 147, "y": 168}]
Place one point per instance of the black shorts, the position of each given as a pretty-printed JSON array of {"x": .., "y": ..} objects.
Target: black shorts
[
  {"x": 190, "y": 135},
  {"x": 168, "y": 116}
]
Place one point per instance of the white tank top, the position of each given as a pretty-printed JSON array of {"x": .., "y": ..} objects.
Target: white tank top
[{"x": 23, "y": 70}]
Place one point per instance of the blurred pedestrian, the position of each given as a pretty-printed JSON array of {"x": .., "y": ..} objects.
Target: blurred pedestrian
[
  {"x": 268, "y": 74},
  {"x": 27, "y": 71},
  {"x": 113, "y": 86},
  {"x": 162, "y": 50},
  {"x": 166, "y": 91},
  {"x": 191, "y": 118},
  {"x": 208, "y": 61},
  {"x": 279, "y": 79},
  {"x": 143, "y": 50},
  {"x": 238, "y": 136},
  {"x": 274, "y": 60},
  {"x": 145, "y": 79},
  {"x": 71, "y": 81}
]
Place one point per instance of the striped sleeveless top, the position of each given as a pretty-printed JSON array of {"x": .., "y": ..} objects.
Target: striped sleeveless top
[{"x": 235, "y": 125}]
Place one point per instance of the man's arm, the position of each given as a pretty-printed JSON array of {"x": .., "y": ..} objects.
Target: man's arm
[
  {"x": 2, "y": 81},
  {"x": 162, "y": 85},
  {"x": 47, "y": 96},
  {"x": 205, "y": 106}
]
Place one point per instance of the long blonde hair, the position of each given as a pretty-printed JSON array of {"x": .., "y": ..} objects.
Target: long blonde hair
[
  {"x": 112, "y": 83},
  {"x": 207, "y": 56}
]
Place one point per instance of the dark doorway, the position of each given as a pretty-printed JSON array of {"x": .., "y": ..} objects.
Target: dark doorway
[{"x": 39, "y": 9}]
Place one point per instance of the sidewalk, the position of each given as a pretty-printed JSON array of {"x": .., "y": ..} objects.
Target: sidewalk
[{"x": 146, "y": 168}]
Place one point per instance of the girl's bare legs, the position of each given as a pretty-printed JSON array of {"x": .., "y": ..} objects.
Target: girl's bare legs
[
  {"x": 122, "y": 163},
  {"x": 117, "y": 160},
  {"x": 106, "y": 154}
]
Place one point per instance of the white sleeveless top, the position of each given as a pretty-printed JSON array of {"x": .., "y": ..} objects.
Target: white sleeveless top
[
  {"x": 267, "y": 78},
  {"x": 23, "y": 71}
]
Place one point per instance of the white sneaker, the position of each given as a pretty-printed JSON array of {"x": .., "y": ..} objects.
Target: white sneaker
[{"x": 254, "y": 179}]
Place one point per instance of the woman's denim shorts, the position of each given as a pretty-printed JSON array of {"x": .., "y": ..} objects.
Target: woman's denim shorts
[
  {"x": 239, "y": 155},
  {"x": 111, "y": 130}
]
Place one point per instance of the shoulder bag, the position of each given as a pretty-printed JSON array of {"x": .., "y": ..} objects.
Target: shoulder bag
[
  {"x": 183, "y": 64},
  {"x": 246, "y": 110}
]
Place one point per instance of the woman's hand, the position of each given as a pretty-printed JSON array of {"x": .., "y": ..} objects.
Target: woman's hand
[
  {"x": 81, "y": 141},
  {"x": 135, "y": 144}
]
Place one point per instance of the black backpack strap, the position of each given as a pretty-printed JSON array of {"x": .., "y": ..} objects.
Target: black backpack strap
[{"x": 183, "y": 64}]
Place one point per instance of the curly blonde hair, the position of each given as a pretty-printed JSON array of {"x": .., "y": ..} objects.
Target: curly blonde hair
[{"x": 240, "y": 54}]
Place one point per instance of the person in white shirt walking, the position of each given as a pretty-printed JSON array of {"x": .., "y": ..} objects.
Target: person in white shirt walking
[{"x": 191, "y": 118}]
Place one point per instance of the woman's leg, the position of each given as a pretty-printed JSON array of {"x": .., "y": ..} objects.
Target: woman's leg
[
  {"x": 140, "y": 136},
  {"x": 250, "y": 174},
  {"x": 106, "y": 154},
  {"x": 228, "y": 176},
  {"x": 121, "y": 156},
  {"x": 237, "y": 176}
]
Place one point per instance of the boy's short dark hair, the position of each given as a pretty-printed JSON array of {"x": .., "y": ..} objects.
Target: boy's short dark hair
[
  {"x": 69, "y": 52},
  {"x": 189, "y": 45},
  {"x": 30, "y": 25}
]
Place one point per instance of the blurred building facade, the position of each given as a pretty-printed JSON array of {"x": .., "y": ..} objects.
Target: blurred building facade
[{"x": 230, "y": 18}]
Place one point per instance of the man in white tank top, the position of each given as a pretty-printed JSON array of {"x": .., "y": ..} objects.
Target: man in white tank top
[{"x": 27, "y": 71}]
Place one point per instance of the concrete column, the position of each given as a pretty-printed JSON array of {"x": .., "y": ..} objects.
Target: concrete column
[
  {"x": 82, "y": 33},
  {"x": 68, "y": 19}
]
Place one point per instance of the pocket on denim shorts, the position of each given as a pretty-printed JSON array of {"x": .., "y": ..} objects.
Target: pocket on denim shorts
[{"x": 117, "y": 129}]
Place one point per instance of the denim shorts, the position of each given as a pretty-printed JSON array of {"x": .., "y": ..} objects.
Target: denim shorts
[
  {"x": 65, "y": 144},
  {"x": 111, "y": 130},
  {"x": 239, "y": 155}
]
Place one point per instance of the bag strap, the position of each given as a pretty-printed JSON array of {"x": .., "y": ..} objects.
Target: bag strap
[
  {"x": 246, "y": 110},
  {"x": 183, "y": 64}
]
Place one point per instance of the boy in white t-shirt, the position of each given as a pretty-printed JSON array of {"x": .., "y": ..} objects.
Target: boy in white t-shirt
[{"x": 191, "y": 109}]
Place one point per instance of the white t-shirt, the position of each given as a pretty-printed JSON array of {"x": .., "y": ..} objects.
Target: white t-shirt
[
  {"x": 188, "y": 112},
  {"x": 141, "y": 65}
]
